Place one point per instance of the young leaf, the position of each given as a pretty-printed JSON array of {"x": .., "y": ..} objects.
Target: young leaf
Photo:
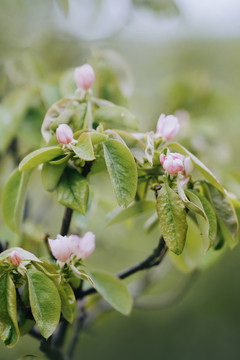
[
  {"x": 115, "y": 117},
  {"x": 51, "y": 175},
  {"x": 45, "y": 302},
  {"x": 172, "y": 216},
  {"x": 73, "y": 191},
  {"x": 40, "y": 156},
  {"x": 225, "y": 211},
  {"x": 199, "y": 165},
  {"x": 136, "y": 209},
  {"x": 13, "y": 197},
  {"x": 189, "y": 204},
  {"x": 9, "y": 331},
  {"x": 25, "y": 255},
  {"x": 209, "y": 212},
  {"x": 113, "y": 290},
  {"x": 84, "y": 148},
  {"x": 122, "y": 170},
  {"x": 68, "y": 301},
  {"x": 97, "y": 138},
  {"x": 135, "y": 146}
]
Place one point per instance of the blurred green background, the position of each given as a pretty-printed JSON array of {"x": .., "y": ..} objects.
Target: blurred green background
[{"x": 170, "y": 57}]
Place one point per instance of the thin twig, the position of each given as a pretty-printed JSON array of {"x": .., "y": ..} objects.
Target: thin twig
[
  {"x": 66, "y": 221},
  {"x": 152, "y": 260}
]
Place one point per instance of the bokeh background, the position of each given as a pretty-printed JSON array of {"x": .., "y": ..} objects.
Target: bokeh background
[{"x": 156, "y": 56}]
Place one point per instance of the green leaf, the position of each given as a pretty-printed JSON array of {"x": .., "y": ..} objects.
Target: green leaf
[
  {"x": 84, "y": 148},
  {"x": 136, "y": 146},
  {"x": 225, "y": 212},
  {"x": 172, "y": 216},
  {"x": 73, "y": 191},
  {"x": 200, "y": 200},
  {"x": 199, "y": 165},
  {"x": 122, "y": 170},
  {"x": 40, "y": 156},
  {"x": 25, "y": 255},
  {"x": 45, "y": 302},
  {"x": 9, "y": 331},
  {"x": 189, "y": 204},
  {"x": 113, "y": 290},
  {"x": 115, "y": 117},
  {"x": 68, "y": 301},
  {"x": 97, "y": 138},
  {"x": 136, "y": 209},
  {"x": 13, "y": 198},
  {"x": 51, "y": 175}
]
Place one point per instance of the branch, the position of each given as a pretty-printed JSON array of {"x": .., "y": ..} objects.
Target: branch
[
  {"x": 152, "y": 260},
  {"x": 78, "y": 329},
  {"x": 66, "y": 221}
]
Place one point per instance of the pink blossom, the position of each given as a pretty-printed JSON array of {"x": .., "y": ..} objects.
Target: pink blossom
[
  {"x": 167, "y": 126},
  {"x": 60, "y": 248},
  {"x": 64, "y": 134},
  {"x": 84, "y": 77},
  {"x": 83, "y": 247},
  {"x": 15, "y": 258},
  {"x": 172, "y": 162}
]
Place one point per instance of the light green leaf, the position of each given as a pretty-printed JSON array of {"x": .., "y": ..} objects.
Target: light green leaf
[
  {"x": 115, "y": 117},
  {"x": 9, "y": 331},
  {"x": 40, "y": 156},
  {"x": 172, "y": 216},
  {"x": 25, "y": 255},
  {"x": 73, "y": 191},
  {"x": 189, "y": 204},
  {"x": 13, "y": 198},
  {"x": 51, "y": 175},
  {"x": 84, "y": 148},
  {"x": 199, "y": 165},
  {"x": 45, "y": 302},
  {"x": 136, "y": 146},
  {"x": 97, "y": 138},
  {"x": 225, "y": 212},
  {"x": 201, "y": 201},
  {"x": 113, "y": 290},
  {"x": 122, "y": 170},
  {"x": 68, "y": 301},
  {"x": 136, "y": 209}
]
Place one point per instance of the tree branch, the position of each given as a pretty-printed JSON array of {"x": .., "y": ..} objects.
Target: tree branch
[
  {"x": 152, "y": 260},
  {"x": 66, "y": 221}
]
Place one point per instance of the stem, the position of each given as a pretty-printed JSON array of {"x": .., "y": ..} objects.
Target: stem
[
  {"x": 78, "y": 329},
  {"x": 66, "y": 221},
  {"x": 152, "y": 260}
]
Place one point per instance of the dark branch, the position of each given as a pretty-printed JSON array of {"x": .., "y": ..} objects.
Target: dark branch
[
  {"x": 152, "y": 260},
  {"x": 66, "y": 221}
]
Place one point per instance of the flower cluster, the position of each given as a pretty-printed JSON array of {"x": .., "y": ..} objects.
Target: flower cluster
[{"x": 66, "y": 246}]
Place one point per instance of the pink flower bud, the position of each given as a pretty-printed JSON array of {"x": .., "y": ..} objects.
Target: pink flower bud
[
  {"x": 188, "y": 166},
  {"x": 83, "y": 247},
  {"x": 167, "y": 126},
  {"x": 15, "y": 258},
  {"x": 84, "y": 77},
  {"x": 60, "y": 248},
  {"x": 172, "y": 162},
  {"x": 64, "y": 134}
]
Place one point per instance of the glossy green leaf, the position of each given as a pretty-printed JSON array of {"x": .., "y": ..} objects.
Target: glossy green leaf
[
  {"x": 113, "y": 290},
  {"x": 40, "y": 156},
  {"x": 13, "y": 198},
  {"x": 73, "y": 191},
  {"x": 68, "y": 301},
  {"x": 115, "y": 117},
  {"x": 84, "y": 148},
  {"x": 122, "y": 170},
  {"x": 9, "y": 331},
  {"x": 225, "y": 212},
  {"x": 172, "y": 216},
  {"x": 25, "y": 255},
  {"x": 136, "y": 146},
  {"x": 200, "y": 200},
  {"x": 45, "y": 301},
  {"x": 51, "y": 175},
  {"x": 136, "y": 209},
  {"x": 199, "y": 165}
]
